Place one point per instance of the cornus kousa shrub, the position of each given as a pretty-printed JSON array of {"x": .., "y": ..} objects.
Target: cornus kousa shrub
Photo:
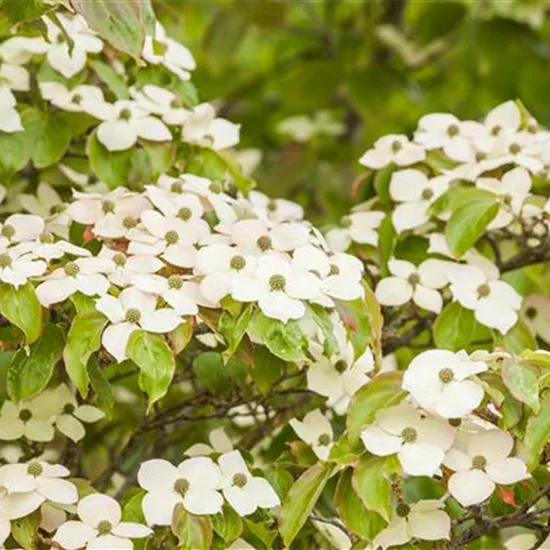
[{"x": 187, "y": 363}]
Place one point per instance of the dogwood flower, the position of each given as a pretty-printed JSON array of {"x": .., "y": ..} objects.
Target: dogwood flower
[
  {"x": 219, "y": 443},
  {"x": 275, "y": 210},
  {"x": 193, "y": 484},
  {"x": 70, "y": 100},
  {"x": 162, "y": 102},
  {"x": 125, "y": 268},
  {"x": 100, "y": 526},
  {"x": 124, "y": 122},
  {"x": 84, "y": 275},
  {"x": 484, "y": 462},
  {"x": 415, "y": 193},
  {"x": 65, "y": 59},
  {"x": 303, "y": 128},
  {"x": 132, "y": 310},
  {"x": 17, "y": 266},
  {"x": 424, "y": 520},
  {"x": 316, "y": 431},
  {"x": 396, "y": 149},
  {"x": 15, "y": 506},
  {"x": 202, "y": 127},
  {"x": 33, "y": 419},
  {"x": 440, "y": 381},
  {"x": 358, "y": 227},
  {"x": 420, "y": 442},
  {"x": 21, "y": 227},
  {"x": 419, "y": 284},
  {"x": 244, "y": 492},
  {"x": 495, "y": 303},
  {"x": 536, "y": 312},
  {"x": 10, "y": 119}
]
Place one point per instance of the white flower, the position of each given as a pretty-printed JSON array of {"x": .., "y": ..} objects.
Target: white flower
[
  {"x": 536, "y": 312},
  {"x": 483, "y": 462},
  {"x": 100, "y": 526},
  {"x": 15, "y": 506},
  {"x": 420, "y": 442},
  {"x": 12, "y": 73},
  {"x": 521, "y": 148},
  {"x": 415, "y": 193},
  {"x": 409, "y": 282},
  {"x": 203, "y": 128},
  {"x": 359, "y": 227},
  {"x": 175, "y": 57},
  {"x": 17, "y": 266},
  {"x": 275, "y": 210},
  {"x": 193, "y": 484},
  {"x": 39, "y": 478},
  {"x": 219, "y": 443},
  {"x": 495, "y": 303},
  {"x": 85, "y": 275},
  {"x": 396, "y": 149},
  {"x": 10, "y": 119},
  {"x": 21, "y": 227},
  {"x": 32, "y": 419},
  {"x": 316, "y": 431},
  {"x": 124, "y": 122},
  {"x": 162, "y": 102},
  {"x": 423, "y": 520},
  {"x": 440, "y": 381},
  {"x": 70, "y": 60},
  {"x": 244, "y": 492},
  {"x": 513, "y": 188},
  {"x": 125, "y": 268},
  {"x": 70, "y": 100},
  {"x": 303, "y": 128},
  {"x": 132, "y": 310},
  {"x": 278, "y": 288},
  {"x": 174, "y": 290}
]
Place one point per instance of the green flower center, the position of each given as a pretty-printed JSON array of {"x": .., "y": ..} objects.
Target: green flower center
[
  {"x": 176, "y": 187},
  {"x": 215, "y": 188},
  {"x": 495, "y": 130},
  {"x": 128, "y": 222},
  {"x": 34, "y": 469},
  {"x": 453, "y": 130},
  {"x": 483, "y": 291},
  {"x": 133, "y": 315},
  {"x": 125, "y": 114},
  {"x": 77, "y": 99},
  {"x": 264, "y": 243},
  {"x": 171, "y": 237},
  {"x": 531, "y": 312},
  {"x": 414, "y": 278},
  {"x": 341, "y": 366},
  {"x": 480, "y": 156},
  {"x": 58, "y": 208},
  {"x": 427, "y": 194},
  {"x": 104, "y": 527},
  {"x": 5, "y": 261},
  {"x": 402, "y": 510},
  {"x": 334, "y": 270},
  {"x": 346, "y": 222},
  {"x": 239, "y": 480},
  {"x": 68, "y": 408},
  {"x": 409, "y": 435},
  {"x": 396, "y": 146},
  {"x": 181, "y": 486},
  {"x": 8, "y": 231},
  {"x": 237, "y": 263},
  {"x": 277, "y": 283},
  {"x": 25, "y": 415},
  {"x": 324, "y": 440},
  {"x": 108, "y": 207},
  {"x": 514, "y": 148},
  {"x": 185, "y": 213},
  {"x": 479, "y": 462},
  {"x": 46, "y": 238},
  {"x": 446, "y": 375},
  {"x": 455, "y": 422},
  {"x": 72, "y": 269},
  {"x": 119, "y": 259},
  {"x": 175, "y": 282}
]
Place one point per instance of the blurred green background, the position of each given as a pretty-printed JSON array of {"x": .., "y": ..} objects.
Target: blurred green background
[{"x": 356, "y": 69}]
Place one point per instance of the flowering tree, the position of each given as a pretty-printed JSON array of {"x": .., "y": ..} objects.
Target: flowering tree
[{"x": 190, "y": 364}]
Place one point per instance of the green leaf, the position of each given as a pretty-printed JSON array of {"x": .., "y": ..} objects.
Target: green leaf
[
  {"x": 386, "y": 243},
  {"x": 355, "y": 316},
  {"x": 192, "y": 531},
  {"x": 83, "y": 340},
  {"x": 14, "y": 153},
  {"x": 228, "y": 524},
  {"x": 469, "y": 221},
  {"x": 22, "y": 308},
  {"x": 110, "y": 167},
  {"x": 152, "y": 355},
  {"x": 30, "y": 372},
  {"x": 537, "y": 434},
  {"x": 342, "y": 453},
  {"x": 122, "y": 24},
  {"x": 102, "y": 388},
  {"x": 454, "y": 327},
  {"x": 382, "y": 181},
  {"x": 267, "y": 369},
  {"x": 25, "y": 530},
  {"x": 522, "y": 381},
  {"x": 364, "y": 523},
  {"x": 111, "y": 78},
  {"x": 212, "y": 372},
  {"x": 301, "y": 499},
  {"x": 47, "y": 136},
  {"x": 243, "y": 183},
  {"x": 517, "y": 339},
  {"x": 381, "y": 392},
  {"x": 233, "y": 329},
  {"x": 371, "y": 481}
]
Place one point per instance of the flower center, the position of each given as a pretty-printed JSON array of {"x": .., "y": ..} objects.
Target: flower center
[
  {"x": 175, "y": 103},
  {"x": 108, "y": 207},
  {"x": 176, "y": 187},
  {"x": 479, "y": 462},
  {"x": 427, "y": 194},
  {"x": 72, "y": 269},
  {"x": 171, "y": 237},
  {"x": 446, "y": 375},
  {"x": 119, "y": 259},
  {"x": 495, "y": 130},
  {"x": 128, "y": 222},
  {"x": 125, "y": 114},
  {"x": 264, "y": 243},
  {"x": 34, "y": 469},
  {"x": 346, "y": 222},
  {"x": 8, "y": 231},
  {"x": 181, "y": 486},
  {"x": 272, "y": 206},
  {"x": 453, "y": 130},
  {"x": 104, "y": 527},
  {"x": 77, "y": 99},
  {"x": 133, "y": 315},
  {"x": 409, "y": 435},
  {"x": 277, "y": 283},
  {"x": 5, "y": 261},
  {"x": 46, "y": 238},
  {"x": 237, "y": 263},
  {"x": 396, "y": 146},
  {"x": 414, "y": 278},
  {"x": 215, "y": 188},
  {"x": 25, "y": 415},
  {"x": 402, "y": 510},
  {"x": 324, "y": 440},
  {"x": 185, "y": 213},
  {"x": 68, "y": 408},
  {"x": 514, "y": 148},
  {"x": 175, "y": 282},
  {"x": 334, "y": 270},
  {"x": 483, "y": 291},
  {"x": 455, "y": 422},
  {"x": 532, "y": 127},
  {"x": 480, "y": 156},
  {"x": 341, "y": 366},
  {"x": 530, "y": 312},
  {"x": 239, "y": 480}
]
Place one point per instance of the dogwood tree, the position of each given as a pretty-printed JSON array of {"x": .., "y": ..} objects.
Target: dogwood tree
[{"x": 187, "y": 363}]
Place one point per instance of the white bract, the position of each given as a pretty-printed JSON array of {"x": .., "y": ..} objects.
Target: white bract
[
  {"x": 316, "y": 431},
  {"x": 202, "y": 127},
  {"x": 392, "y": 149},
  {"x": 357, "y": 227},
  {"x": 10, "y": 119}
]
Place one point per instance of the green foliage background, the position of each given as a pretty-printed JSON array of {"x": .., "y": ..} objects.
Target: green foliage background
[{"x": 378, "y": 64}]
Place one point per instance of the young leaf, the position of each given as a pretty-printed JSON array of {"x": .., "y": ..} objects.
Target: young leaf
[
  {"x": 112, "y": 167},
  {"x": 522, "y": 381},
  {"x": 537, "y": 434},
  {"x": 192, "y": 531},
  {"x": 22, "y": 308},
  {"x": 301, "y": 499},
  {"x": 83, "y": 340},
  {"x": 212, "y": 372},
  {"x": 454, "y": 327},
  {"x": 151, "y": 354}
]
